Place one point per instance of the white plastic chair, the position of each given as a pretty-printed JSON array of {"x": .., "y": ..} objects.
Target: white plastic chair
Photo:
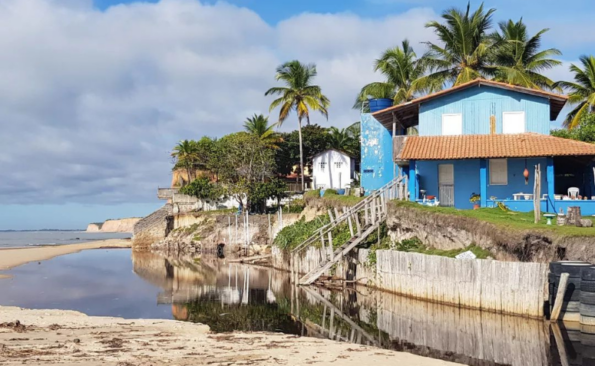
[{"x": 573, "y": 192}]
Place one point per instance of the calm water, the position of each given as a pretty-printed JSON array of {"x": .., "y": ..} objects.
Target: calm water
[
  {"x": 231, "y": 297},
  {"x": 32, "y": 238}
]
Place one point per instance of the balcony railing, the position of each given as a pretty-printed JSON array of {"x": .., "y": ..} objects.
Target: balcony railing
[{"x": 166, "y": 193}]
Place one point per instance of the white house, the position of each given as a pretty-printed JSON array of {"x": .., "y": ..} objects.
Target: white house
[{"x": 332, "y": 169}]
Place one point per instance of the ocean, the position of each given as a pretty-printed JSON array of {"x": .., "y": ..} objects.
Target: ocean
[{"x": 19, "y": 239}]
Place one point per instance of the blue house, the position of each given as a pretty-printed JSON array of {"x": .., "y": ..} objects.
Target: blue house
[{"x": 484, "y": 138}]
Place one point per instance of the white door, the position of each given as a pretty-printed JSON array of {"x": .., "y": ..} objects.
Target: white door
[
  {"x": 452, "y": 124},
  {"x": 513, "y": 122},
  {"x": 446, "y": 185}
]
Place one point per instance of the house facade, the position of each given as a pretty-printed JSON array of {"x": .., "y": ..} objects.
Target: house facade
[
  {"x": 332, "y": 169},
  {"x": 482, "y": 138}
]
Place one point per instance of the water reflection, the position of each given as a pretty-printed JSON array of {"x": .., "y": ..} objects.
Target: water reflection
[{"x": 231, "y": 297}]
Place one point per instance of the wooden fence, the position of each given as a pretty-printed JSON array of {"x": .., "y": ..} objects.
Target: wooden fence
[
  {"x": 503, "y": 287},
  {"x": 517, "y": 288}
]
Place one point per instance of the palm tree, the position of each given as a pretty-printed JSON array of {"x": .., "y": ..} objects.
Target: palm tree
[
  {"x": 186, "y": 155},
  {"x": 582, "y": 91},
  {"x": 401, "y": 68},
  {"x": 517, "y": 57},
  {"x": 259, "y": 126},
  {"x": 464, "y": 55},
  {"x": 298, "y": 95}
]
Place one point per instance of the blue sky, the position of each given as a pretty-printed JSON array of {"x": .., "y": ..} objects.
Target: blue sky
[{"x": 98, "y": 91}]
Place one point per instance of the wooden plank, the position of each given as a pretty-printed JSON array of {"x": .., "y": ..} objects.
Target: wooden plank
[
  {"x": 559, "y": 297},
  {"x": 345, "y": 212},
  {"x": 336, "y": 214},
  {"x": 312, "y": 276},
  {"x": 330, "y": 215},
  {"x": 324, "y": 251},
  {"x": 357, "y": 224}
]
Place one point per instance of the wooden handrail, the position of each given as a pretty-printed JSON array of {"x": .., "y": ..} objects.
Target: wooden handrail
[{"x": 351, "y": 211}]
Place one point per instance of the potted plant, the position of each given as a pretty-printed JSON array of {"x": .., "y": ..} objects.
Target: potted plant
[{"x": 474, "y": 199}]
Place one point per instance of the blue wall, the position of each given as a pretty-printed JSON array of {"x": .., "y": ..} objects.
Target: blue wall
[
  {"x": 467, "y": 179},
  {"x": 477, "y": 104},
  {"x": 377, "y": 148}
]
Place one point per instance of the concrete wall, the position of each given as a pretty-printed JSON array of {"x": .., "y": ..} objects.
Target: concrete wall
[
  {"x": 153, "y": 228},
  {"x": 477, "y": 104},
  {"x": 377, "y": 167},
  {"x": 332, "y": 176},
  {"x": 466, "y": 180}
]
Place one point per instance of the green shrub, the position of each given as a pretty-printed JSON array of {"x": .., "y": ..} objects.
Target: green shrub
[
  {"x": 293, "y": 235},
  {"x": 312, "y": 194},
  {"x": 330, "y": 192},
  {"x": 295, "y": 206}
]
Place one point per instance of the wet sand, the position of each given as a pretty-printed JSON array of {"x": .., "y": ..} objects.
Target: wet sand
[
  {"x": 44, "y": 337},
  {"x": 13, "y": 257}
]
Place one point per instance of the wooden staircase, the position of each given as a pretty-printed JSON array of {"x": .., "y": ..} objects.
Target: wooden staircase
[{"x": 362, "y": 219}]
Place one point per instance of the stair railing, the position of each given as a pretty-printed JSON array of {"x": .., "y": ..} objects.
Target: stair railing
[{"x": 374, "y": 209}]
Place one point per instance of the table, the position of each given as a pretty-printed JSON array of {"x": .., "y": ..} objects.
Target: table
[{"x": 526, "y": 196}]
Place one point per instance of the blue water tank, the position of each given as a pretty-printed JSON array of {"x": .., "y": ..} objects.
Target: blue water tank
[{"x": 379, "y": 104}]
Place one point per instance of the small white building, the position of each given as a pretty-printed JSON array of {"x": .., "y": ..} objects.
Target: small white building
[{"x": 332, "y": 169}]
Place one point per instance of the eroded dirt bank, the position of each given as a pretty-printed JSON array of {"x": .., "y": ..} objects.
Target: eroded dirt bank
[
  {"x": 46, "y": 337},
  {"x": 444, "y": 231}
]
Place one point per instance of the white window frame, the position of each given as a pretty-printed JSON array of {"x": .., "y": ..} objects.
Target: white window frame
[
  {"x": 514, "y": 113},
  {"x": 452, "y": 114},
  {"x": 499, "y": 183}
]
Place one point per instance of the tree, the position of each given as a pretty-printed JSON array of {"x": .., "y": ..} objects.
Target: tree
[
  {"x": 299, "y": 95},
  {"x": 202, "y": 188},
  {"x": 260, "y": 192},
  {"x": 259, "y": 126},
  {"x": 518, "y": 59},
  {"x": 582, "y": 91},
  {"x": 344, "y": 139},
  {"x": 401, "y": 68},
  {"x": 186, "y": 155},
  {"x": 464, "y": 53},
  {"x": 242, "y": 160},
  {"x": 315, "y": 139},
  {"x": 584, "y": 131}
]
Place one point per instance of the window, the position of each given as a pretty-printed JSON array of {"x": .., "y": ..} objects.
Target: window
[
  {"x": 322, "y": 165},
  {"x": 452, "y": 124},
  {"x": 338, "y": 164},
  {"x": 498, "y": 172},
  {"x": 513, "y": 122}
]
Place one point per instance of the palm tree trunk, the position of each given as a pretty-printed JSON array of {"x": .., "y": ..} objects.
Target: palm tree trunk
[{"x": 301, "y": 153}]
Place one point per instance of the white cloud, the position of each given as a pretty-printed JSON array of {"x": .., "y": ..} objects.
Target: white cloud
[{"x": 91, "y": 102}]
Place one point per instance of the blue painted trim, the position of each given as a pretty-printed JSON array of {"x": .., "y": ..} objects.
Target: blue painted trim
[
  {"x": 483, "y": 182},
  {"x": 550, "y": 177},
  {"x": 412, "y": 181}
]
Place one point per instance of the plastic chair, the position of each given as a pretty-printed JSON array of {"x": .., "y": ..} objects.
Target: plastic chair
[{"x": 573, "y": 193}]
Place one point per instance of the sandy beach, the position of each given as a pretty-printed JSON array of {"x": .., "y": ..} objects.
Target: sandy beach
[
  {"x": 13, "y": 257},
  {"x": 44, "y": 337}
]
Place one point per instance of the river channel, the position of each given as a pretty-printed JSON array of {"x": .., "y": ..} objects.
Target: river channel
[{"x": 234, "y": 297}]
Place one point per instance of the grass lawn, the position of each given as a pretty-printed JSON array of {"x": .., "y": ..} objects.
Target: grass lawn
[
  {"x": 507, "y": 219},
  {"x": 332, "y": 198}
]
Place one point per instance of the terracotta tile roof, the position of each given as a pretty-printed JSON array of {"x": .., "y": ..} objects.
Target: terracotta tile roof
[
  {"x": 491, "y": 146},
  {"x": 410, "y": 109}
]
